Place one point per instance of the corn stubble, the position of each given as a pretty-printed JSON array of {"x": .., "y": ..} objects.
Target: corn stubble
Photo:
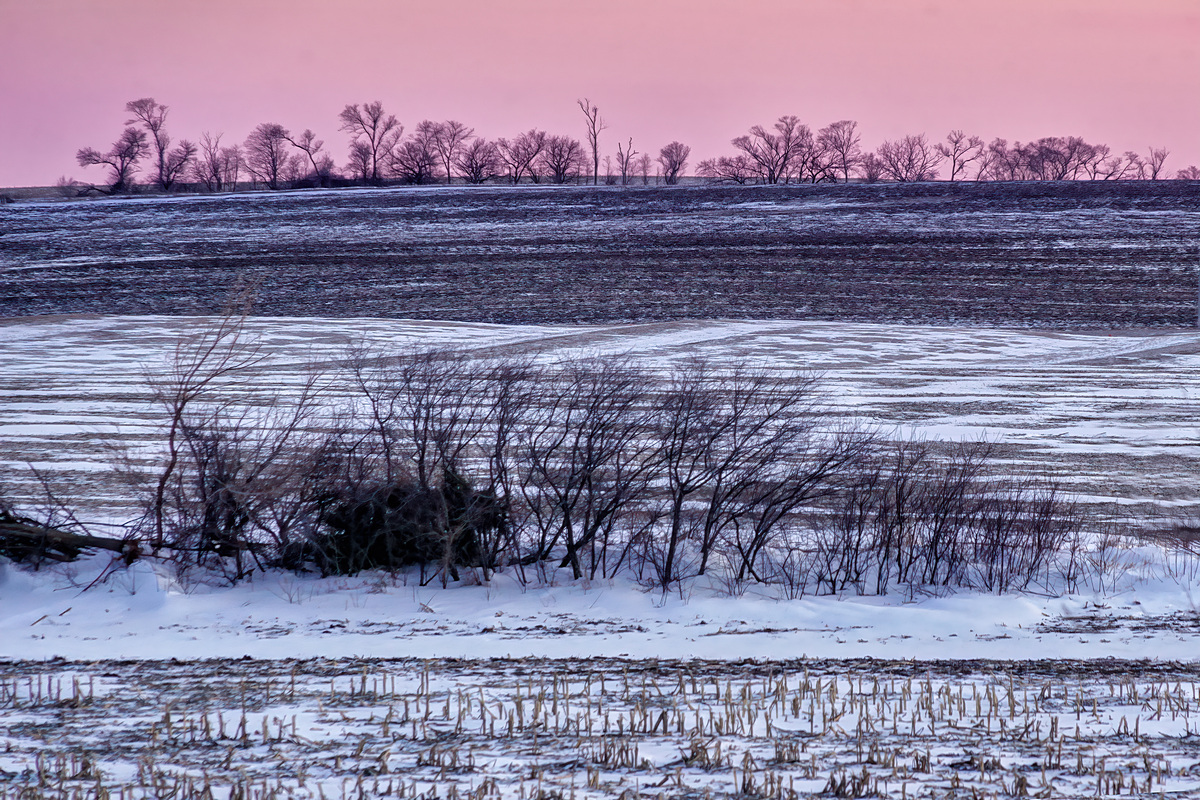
[{"x": 595, "y": 728}]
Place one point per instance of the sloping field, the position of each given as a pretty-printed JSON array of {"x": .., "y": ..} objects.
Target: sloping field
[
  {"x": 1112, "y": 416},
  {"x": 1062, "y": 255}
]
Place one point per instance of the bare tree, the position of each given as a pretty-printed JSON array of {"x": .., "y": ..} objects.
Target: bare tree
[
  {"x": 595, "y": 124},
  {"x": 1154, "y": 164},
  {"x": 815, "y": 162},
  {"x": 170, "y": 163},
  {"x": 121, "y": 159},
  {"x": 238, "y": 484},
  {"x": 738, "y": 169},
  {"x": 321, "y": 164},
  {"x": 773, "y": 153},
  {"x": 1093, "y": 164},
  {"x": 426, "y": 416},
  {"x": 909, "y": 159},
  {"x": 479, "y": 161},
  {"x": 840, "y": 140},
  {"x": 295, "y": 169},
  {"x": 1128, "y": 166},
  {"x": 360, "y": 163},
  {"x": 415, "y": 160},
  {"x": 673, "y": 158},
  {"x": 625, "y": 160},
  {"x": 870, "y": 168},
  {"x": 267, "y": 153},
  {"x": 1054, "y": 158},
  {"x": 562, "y": 159},
  {"x": 153, "y": 117},
  {"x": 960, "y": 150},
  {"x": 644, "y": 163},
  {"x": 232, "y": 162},
  {"x": 792, "y": 466},
  {"x": 985, "y": 165},
  {"x": 449, "y": 139},
  {"x": 206, "y": 169},
  {"x": 512, "y": 393},
  {"x": 1189, "y": 173},
  {"x": 1005, "y": 163},
  {"x": 520, "y": 155},
  {"x": 177, "y": 163},
  {"x": 377, "y": 130}
]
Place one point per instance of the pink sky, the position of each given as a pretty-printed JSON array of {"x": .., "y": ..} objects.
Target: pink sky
[{"x": 1121, "y": 72}]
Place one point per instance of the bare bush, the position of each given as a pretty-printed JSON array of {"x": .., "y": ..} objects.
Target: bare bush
[
  {"x": 446, "y": 461},
  {"x": 738, "y": 169},
  {"x": 586, "y": 463},
  {"x": 234, "y": 487}
]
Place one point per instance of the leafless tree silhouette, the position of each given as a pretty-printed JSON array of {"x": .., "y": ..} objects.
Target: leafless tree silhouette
[
  {"x": 378, "y": 131},
  {"x": 840, "y": 140},
  {"x": 870, "y": 168},
  {"x": 774, "y": 152},
  {"x": 520, "y": 154},
  {"x": 909, "y": 159},
  {"x": 479, "y": 161},
  {"x": 267, "y": 151},
  {"x": 561, "y": 159},
  {"x": 449, "y": 139},
  {"x": 320, "y": 164},
  {"x": 170, "y": 164},
  {"x": 960, "y": 150},
  {"x": 121, "y": 159},
  {"x": 415, "y": 160},
  {"x": 594, "y": 125},
  {"x": 1154, "y": 163},
  {"x": 673, "y": 158},
  {"x": 737, "y": 169},
  {"x": 625, "y": 161}
]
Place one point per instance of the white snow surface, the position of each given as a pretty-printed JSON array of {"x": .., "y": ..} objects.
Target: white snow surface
[{"x": 141, "y": 613}]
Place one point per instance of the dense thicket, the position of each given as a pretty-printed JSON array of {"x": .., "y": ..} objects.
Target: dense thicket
[{"x": 595, "y": 466}]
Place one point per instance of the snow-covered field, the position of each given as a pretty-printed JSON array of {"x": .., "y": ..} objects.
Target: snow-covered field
[
  {"x": 1112, "y": 415},
  {"x": 588, "y": 728}
]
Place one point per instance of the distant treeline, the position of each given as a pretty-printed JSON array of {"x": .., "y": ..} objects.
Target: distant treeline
[{"x": 381, "y": 152}]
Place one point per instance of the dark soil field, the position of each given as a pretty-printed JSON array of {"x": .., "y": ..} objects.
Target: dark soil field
[{"x": 1062, "y": 255}]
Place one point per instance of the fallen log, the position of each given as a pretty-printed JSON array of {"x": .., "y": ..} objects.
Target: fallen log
[{"x": 22, "y": 538}]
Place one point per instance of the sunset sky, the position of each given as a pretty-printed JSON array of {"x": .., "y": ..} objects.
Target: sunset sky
[{"x": 1121, "y": 72}]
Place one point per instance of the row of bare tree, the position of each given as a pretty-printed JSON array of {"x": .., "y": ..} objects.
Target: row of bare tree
[
  {"x": 789, "y": 152},
  {"x": 594, "y": 466},
  {"x": 380, "y": 151}
]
